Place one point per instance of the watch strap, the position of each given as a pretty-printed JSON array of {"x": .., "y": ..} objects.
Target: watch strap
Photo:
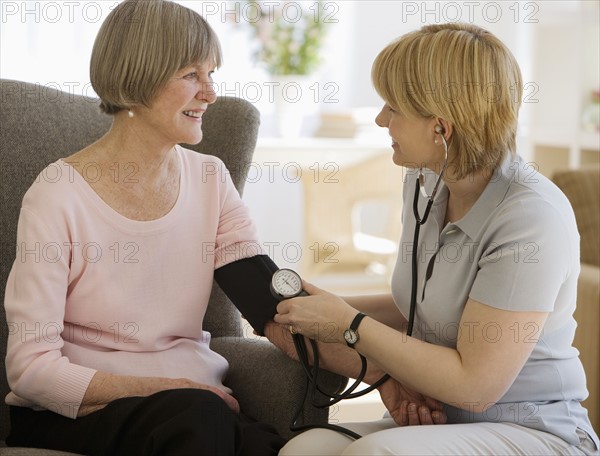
[{"x": 354, "y": 326}]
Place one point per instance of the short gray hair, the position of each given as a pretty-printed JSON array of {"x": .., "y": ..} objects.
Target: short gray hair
[{"x": 141, "y": 45}]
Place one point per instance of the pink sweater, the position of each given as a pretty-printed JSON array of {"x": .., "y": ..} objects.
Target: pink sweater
[{"x": 92, "y": 290}]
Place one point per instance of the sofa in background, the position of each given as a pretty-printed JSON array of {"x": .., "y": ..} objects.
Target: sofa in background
[{"x": 582, "y": 187}]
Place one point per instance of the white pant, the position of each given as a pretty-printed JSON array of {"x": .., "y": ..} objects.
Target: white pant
[{"x": 383, "y": 437}]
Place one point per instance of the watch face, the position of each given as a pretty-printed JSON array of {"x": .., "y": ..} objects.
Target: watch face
[
  {"x": 286, "y": 283},
  {"x": 351, "y": 336}
]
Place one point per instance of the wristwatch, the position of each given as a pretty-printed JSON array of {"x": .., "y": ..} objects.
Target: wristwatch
[{"x": 351, "y": 334}]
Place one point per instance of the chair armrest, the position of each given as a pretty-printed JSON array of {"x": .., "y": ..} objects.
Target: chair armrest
[
  {"x": 21, "y": 451},
  {"x": 268, "y": 385},
  {"x": 587, "y": 336}
]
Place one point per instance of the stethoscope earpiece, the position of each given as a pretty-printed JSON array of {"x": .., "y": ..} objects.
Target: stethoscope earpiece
[{"x": 421, "y": 178}]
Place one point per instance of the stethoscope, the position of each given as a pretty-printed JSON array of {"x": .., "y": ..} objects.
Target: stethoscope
[
  {"x": 419, "y": 221},
  {"x": 303, "y": 355}
]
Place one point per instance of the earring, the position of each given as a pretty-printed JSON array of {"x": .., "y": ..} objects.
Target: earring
[
  {"x": 436, "y": 142},
  {"x": 130, "y": 114}
]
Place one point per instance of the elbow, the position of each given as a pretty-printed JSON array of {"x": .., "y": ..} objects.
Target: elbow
[
  {"x": 479, "y": 397},
  {"x": 490, "y": 393},
  {"x": 484, "y": 406},
  {"x": 477, "y": 391}
]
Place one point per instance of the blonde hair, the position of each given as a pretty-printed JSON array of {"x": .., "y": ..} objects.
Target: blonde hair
[
  {"x": 141, "y": 45},
  {"x": 460, "y": 73}
]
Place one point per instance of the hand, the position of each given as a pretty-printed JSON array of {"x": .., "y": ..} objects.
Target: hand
[
  {"x": 281, "y": 337},
  {"x": 231, "y": 401},
  {"x": 105, "y": 388},
  {"x": 408, "y": 407},
  {"x": 321, "y": 316}
]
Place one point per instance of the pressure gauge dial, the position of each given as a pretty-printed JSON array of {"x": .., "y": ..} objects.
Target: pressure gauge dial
[{"x": 286, "y": 284}]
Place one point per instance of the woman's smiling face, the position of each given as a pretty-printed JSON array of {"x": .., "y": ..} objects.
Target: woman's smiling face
[
  {"x": 413, "y": 139},
  {"x": 176, "y": 112}
]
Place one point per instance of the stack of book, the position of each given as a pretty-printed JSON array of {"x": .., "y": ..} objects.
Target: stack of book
[{"x": 354, "y": 123}]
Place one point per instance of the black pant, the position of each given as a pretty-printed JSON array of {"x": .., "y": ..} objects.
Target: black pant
[{"x": 183, "y": 422}]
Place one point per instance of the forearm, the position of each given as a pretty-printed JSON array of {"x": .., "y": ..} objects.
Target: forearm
[
  {"x": 380, "y": 307},
  {"x": 106, "y": 388},
  {"x": 339, "y": 358},
  {"x": 416, "y": 364},
  {"x": 346, "y": 361},
  {"x": 474, "y": 375},
  {"x": 336, "y": 358}
]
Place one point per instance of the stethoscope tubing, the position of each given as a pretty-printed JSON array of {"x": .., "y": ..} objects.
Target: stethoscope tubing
[{"x": 419, "y": 221}]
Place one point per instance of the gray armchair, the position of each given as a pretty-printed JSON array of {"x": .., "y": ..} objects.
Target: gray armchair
[{"x": 38, "y": 125}]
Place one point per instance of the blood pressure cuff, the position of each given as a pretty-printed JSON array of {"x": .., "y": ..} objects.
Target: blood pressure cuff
[{"x": 247, "y": 283}]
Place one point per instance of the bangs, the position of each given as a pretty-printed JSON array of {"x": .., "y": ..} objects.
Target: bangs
[
  {"x": 184, "y": 39},
  {"x": 201, "y": 43},
  {"x": 396, "y": 79},
  {"x": 386, "y": 77}
]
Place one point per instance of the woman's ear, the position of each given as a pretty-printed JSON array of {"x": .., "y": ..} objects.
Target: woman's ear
[{"x": 445, "y": 128}]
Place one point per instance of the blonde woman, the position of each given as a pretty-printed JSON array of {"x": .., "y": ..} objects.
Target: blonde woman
[
  {"x": 155, "y": 386},
  {"x": 493, "y": 285}
]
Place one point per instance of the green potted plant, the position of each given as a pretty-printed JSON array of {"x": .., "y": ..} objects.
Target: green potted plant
[
  {"x": 287, "y": 40},
  {"x": 288, "y": 35}
]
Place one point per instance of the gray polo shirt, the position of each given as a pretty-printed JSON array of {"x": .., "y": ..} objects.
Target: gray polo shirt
[{"x": 517, "y": 249}]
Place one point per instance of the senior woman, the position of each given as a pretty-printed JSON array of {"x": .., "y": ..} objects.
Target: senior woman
[
  {"x": 123, "y": 367},
  {"x": 494, "y": 283}
]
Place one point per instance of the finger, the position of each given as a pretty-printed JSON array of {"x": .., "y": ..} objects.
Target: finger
[
  {"x": 312, "y": 289},
  {"x": 425, "y": 415},
  {"x": 439, "y": 417},
  {"x": 282, "y": 319},
  {"x": 270, "y": 329},
  {"x": 234, "y": 404},
  {"x": 231, "y": 401},
  {"x": 273, "y": 328},
  {"x": 283, "y": 307},
  {"x": 413, "y": 415},
  {"x": 401, "y": 414}
]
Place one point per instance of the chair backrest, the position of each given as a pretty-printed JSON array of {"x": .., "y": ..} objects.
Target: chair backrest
[
  {"x": 582, "y": 187},
  {"x": 39, "y": 125}
]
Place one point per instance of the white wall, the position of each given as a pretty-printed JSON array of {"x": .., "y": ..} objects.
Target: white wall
[
  {"x": 374, "y": 24},
  {"x": 555, "y": 42}
]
